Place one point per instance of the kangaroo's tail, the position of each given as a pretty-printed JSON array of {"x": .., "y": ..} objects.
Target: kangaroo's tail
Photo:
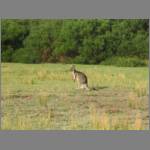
[
  {"x": 93, "y": 89},
  {"x": 89, "y": 88}
]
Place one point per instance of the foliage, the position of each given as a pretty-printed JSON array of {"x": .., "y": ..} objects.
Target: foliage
[
  {"x": 125, "y": 61},
  {"x": 88, "y": 41},
  {"x": 25, "y": 55}
]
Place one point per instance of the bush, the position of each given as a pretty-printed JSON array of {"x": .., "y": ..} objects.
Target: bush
[
  {"x": 26, "y": 56},
  {"x": 7, "y": 55},
  {"x": 125, "y": 61},
  {"x": 83, "y": 41},
  {"x": 80, "y": 60}
]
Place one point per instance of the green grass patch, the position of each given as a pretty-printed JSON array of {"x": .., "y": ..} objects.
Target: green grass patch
[{"x": 44, "y": 97}]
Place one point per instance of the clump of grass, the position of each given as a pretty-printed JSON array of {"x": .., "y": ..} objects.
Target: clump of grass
[
  {"x": 45, "y": 120},
  {"x": 121, "y": 76},
  {"x": 94, "y": 118},
  {"x": 7, "y": 92},
  {"x": 43, "y": 99},
  {"x": 42, "y": 74},
  {"x": 99, "y": 121},
  {"x": 133, "y": 101},
  {"x": 6, "y": 122},
  {"x": 113, "y": 110},
  {"x": 61, "y": 76},
  {"x": 140, "y": 89},
  {"x": 9, "y": 102},
  {"x": 73, "y": 121},
  {"x": 138, "y": 122},
  {"x": 26, "y": 123},
  {"x": 28, "y": 80},
  {"x": 120, "y": 124},
  {"x": 104, "y": 122},
  {"x": 107, "y": 122},
  {"x": 22, "y": 121},
  {"x": 45, "y": 74},
  {"x": 17, "y": 123}
]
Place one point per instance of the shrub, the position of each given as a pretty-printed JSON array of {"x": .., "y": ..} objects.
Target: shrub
[
  {"x": 25, "y": 56},
  {"x": 125, "y": 61},
  {"x": 6, "y": 55}
]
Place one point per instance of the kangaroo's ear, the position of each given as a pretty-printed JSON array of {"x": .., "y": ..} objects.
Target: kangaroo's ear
[{"x": 72, "y": 67}]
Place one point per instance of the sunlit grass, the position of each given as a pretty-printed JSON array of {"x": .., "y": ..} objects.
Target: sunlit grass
[
  {"x": 141, "y": 88},
  {"x": 107, "y": 122},
  {"x": 44, "y": 97},
  {"x": 134, "y": 101}
]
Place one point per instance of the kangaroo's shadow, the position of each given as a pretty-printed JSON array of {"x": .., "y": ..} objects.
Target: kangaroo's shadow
[{"x": 99, "y": 87}]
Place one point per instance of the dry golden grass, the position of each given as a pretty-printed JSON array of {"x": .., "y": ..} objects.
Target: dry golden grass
[
  {"x": 134, "y": 101},
  {"x": 138, "y": 122},
  {"x": 41, "y": 74},
  {"x": 58, "y": 76},
  {"x": 45, "y": 120},
  {"x": 73, "y": 122},
  {"x": 25, "y": 122},
  {"x": 40, "y": 97},
  {"x": 28, "y": 80},
  {"x": 97, "y": 121},
  {"x": 107, "y": 122},
  {"x": 94, "y": 117},
  {"x": 21, "y": 122},
  {"x": 121, "y": 76},
  {"x": 141, "y": 88},
  {"x": 43, "y": 98}
]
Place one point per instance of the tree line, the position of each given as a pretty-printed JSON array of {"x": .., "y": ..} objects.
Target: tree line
[{"x": 86, "y": 41}]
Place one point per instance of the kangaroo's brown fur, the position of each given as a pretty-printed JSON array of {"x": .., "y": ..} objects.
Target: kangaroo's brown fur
[{"x": 80, "y": 78}]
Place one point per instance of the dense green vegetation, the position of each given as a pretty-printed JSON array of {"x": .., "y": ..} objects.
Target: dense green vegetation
[{"x": 87, "y": 41}]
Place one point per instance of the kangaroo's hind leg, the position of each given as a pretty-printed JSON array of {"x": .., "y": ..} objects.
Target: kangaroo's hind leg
[
  {"x": 78, "y": 84},
  {"x": 84, "y": 86}
]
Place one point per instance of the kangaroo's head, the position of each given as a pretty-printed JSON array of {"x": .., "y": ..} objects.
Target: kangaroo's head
[{"x": 72, "y": 68}]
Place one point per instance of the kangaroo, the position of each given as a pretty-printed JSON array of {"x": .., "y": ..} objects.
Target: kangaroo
[{"x": 80, "y": 77}]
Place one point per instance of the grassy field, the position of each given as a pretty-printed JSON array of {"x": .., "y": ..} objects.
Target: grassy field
[{"x": 44, "y": 97}]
